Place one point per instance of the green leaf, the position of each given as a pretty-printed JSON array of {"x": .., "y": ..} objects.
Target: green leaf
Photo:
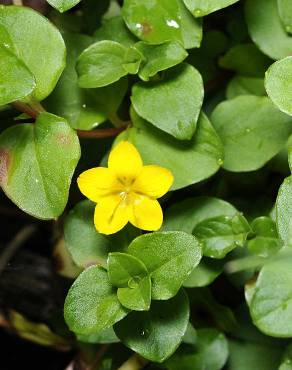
[
  {"x": 83, "y": 108},
  {"x": 92, "y": 304},
  {"x": 266, "y": 29},
  {"x": 114, "y": 29},
  {"x": 173, "y": 104},
  {"x": 205, "y": 273},
  {"x": 266, "y": 241},
  {"x": 278, "y": 84},
  {"x": 131, "y": 277},
  {"x": 220, "y": 235},
  {"x": 86, "y": 246},
  {"x": 157, "y": 21},
  {"x": 105, "y": 336},
  {"x": 200, "y": 8},
  {"x": 63, "y": 5},
  {"x": 286, "y": 363},
  {"x": 203, "y": 152},
  {"x": 284, "y": 210},
  {"x": 253, "y": 355},
  {"x": 240, "y": 85},
  {"x": 271, "y": 302},
  {"x": 169, "y": 257},
  {"x": 16, "y": 81},
  {"x": 246, "y": 60},
  {"x": 123, "y": 269},
  {"x": 37, "y": 164},
  {"x": 101, "y": 64},
  {"x": 157, "y": 333},
  {"x": 252, "y": 130},
  {"x": 159, "y": 57},
  {"x": 29, "y": 33},
  {"x": 285, "y": 12},
  {"x": 187, "y": 214},
  {"x": 137, "y": 296},
  {"x": 211, "y": 352}
]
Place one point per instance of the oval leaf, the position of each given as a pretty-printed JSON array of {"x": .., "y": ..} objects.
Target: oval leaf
[
  {"x": 92, "y": 304},
  {"x": 220, "y": 235},
  {"x": 284, "y": 210},
  {"x": 266, "y": 30},
  {"x": 271, "y": 302},
  {"x": 101, "y": 64},
  {"x": 46, "y": 60},
  {"x": 169, "y": 257},
  {"x": 37, "y": 163},
  {"x": 157, "y": 21},
  {"x": 252, "y": 130},
  {"x": 156, "y": 334},
  {"x": 278, "y": 84},
  {"x": 173, "y": 104}
]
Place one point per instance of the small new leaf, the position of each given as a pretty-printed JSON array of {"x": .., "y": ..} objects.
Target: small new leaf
[
  {"x": 101, "y": 64},
  {"x": 220, "y": 235}
]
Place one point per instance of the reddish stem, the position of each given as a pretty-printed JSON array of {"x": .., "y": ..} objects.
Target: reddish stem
[{"x": 101, "y": 133}]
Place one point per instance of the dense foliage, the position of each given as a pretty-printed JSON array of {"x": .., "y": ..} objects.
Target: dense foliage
[{"x": 202, "y": 89}]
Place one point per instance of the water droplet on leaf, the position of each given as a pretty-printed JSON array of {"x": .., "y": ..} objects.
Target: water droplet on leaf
[{"x": 198, "y": 12}]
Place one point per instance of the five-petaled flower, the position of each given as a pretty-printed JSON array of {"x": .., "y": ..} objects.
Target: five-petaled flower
[{"x": 126, "y": 191}]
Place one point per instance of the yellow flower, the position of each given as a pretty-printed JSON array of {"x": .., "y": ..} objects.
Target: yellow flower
[{"x": 126, "y": 191}]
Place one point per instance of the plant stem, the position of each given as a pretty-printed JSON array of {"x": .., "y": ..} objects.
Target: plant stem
[
  {"x": 101, "y": 133},
  {"x": 135, "y": 362},
  {"x": 35, "y": 108},
  {"x": 21, "y": 237},
  {"x": 25, "y": 108}
]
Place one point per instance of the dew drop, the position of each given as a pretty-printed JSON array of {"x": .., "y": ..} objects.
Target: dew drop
[
  {"x": 220, "y": 161},
  {"x": 247, "y": 130},
  {"x": 172, "y": 23},
  {"x": 288, "y": 29},
  {"x": 83, "y": 105},
  {"x": 145, "y": 332},
  {"x": 198, "y": 12}
]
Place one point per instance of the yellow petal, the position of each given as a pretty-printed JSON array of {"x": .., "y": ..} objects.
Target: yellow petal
[
  {"x": 153, "y": 181},
  {"x": 110, "y": 215},
  {"x": 98, "y": 182},
  {"x": 125, "y": 161},
  {"x": 145, "y": 213}
]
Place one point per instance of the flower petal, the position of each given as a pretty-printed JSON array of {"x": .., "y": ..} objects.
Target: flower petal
[
  {"x": 125, "y": 161},
  {"x": 98, "y": 182},
  {"x": 145, "y": 213},
  {"x": 153, "y": 181},
  {"x": 110, "y": 215}
]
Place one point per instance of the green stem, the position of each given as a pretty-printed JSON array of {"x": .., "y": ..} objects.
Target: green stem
[
  {"x": 135, "y": 362},
  {"x": 116, "y": 121}
]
